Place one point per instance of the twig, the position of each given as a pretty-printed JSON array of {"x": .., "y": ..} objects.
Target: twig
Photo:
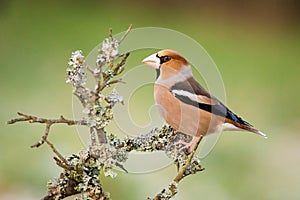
[
  {"x": 181, "y": 172},
  {"x": 172, "y": 189},
  {"x": 34, "y": 119},
  {"x": 125, "y": 34},
  {"x": 120, "y": 66},
  {"x": 105, "y": 79},
  {"x": 56, "y": 152},
  {"x": 110, "y": 34},
  {"x": 109, "y": 83},
  {"x": 48, "y": 122},
  {"x": 62, "y": 164},
  {"x": 60, "y": 161},
  {"x": 101, "y": 136}
]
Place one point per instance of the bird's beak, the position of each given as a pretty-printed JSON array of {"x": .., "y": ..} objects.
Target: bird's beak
[{"x": 152, "y": 61}]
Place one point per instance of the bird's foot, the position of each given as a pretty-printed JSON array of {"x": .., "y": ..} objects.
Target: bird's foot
[
  {"x": 186, "y": 146},
  {"x": 183, "y": 146}
]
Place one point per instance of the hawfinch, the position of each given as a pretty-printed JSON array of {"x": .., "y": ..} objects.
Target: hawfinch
[{"x": 185, "y": 104}]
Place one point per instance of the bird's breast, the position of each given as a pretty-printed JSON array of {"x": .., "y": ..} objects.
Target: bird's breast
[{"x": 181, "y": 116}]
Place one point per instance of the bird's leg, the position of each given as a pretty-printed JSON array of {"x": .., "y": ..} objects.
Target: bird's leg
[{"x": 186, "y": 146}]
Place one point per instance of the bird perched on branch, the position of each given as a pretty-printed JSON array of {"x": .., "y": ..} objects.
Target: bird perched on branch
[{"x": 185, "y": 104}]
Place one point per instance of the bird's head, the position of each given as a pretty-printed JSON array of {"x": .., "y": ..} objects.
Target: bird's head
[{"x": 168, "y": 63}]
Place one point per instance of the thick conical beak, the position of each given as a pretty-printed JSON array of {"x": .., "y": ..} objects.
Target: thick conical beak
[{"x": 152, "y": 61}]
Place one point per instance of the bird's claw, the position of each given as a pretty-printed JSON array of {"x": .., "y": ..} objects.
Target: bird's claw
[{"x": 183, "y": 146}]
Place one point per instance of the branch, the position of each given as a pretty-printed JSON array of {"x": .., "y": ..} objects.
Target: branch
[
  {"x": 156, "y": 140},
  {"x": 48, "y": 122},
  {"x": 64, "y": 162},
  {"x": 125, "y": 34},
  {"x": 114, "y": 71},
  {"x": 81, "y": 170},
  {"x": 181, "y": 173},
  {"x": 188, "y": 168}
]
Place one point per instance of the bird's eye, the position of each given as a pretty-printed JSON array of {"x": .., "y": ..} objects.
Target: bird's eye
[{"x": 164, "y": 59}]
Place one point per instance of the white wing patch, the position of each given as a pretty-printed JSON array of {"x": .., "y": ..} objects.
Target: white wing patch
[{"x": 191, "y": 96}]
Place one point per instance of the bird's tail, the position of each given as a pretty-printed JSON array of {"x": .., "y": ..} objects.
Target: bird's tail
[
  {"x": 253, "y": 130},
  {"x": 244, "y": 126},
  {"x": 239, "y": 123}
]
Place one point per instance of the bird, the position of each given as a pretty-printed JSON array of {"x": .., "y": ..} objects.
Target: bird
[{"x": 187, "y": 106}]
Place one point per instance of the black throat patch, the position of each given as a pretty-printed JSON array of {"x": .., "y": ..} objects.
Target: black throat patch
[{"x": 157, "y": 72}]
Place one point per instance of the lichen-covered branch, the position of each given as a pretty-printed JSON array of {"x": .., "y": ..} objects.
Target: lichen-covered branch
[
  {"x": 48, "y": 122},
  {"x": 106, "y": 152},
  {"x": 81, "y": 170},
  {"x": 88, "y": 164},
  {"x": 190, "y": 166}
]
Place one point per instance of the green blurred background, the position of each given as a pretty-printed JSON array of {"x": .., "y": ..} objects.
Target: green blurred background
[{"x": 255, "y": 44}]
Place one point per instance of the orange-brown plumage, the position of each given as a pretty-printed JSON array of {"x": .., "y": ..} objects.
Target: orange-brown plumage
[{"x": 181, "y": 116}]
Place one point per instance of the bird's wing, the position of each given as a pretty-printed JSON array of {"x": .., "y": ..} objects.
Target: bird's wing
[
  {"x": 191, "y": 86},
  {"x": 192, "y": 93}
]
